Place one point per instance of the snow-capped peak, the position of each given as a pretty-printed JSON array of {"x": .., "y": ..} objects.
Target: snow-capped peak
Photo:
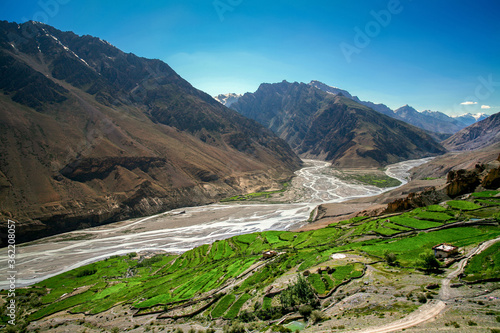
[
  {"x": 477, "y": 116},
  {"x": 227, "y": 99},
  {"x": 316, "y": 82}
]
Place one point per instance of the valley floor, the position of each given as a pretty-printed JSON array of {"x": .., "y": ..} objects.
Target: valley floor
[
  {"x": 347, "y": 265},
  {"x": 183, "y": 229}
]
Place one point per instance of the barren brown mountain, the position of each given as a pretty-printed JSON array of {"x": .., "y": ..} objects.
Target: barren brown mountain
[
  {"x": 90, "y": 134},
  {"x": 479, "y": 135},
  {"x": 335, "y": 128}
]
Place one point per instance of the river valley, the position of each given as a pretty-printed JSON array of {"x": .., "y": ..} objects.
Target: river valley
[{"x": 182, "y": 229}]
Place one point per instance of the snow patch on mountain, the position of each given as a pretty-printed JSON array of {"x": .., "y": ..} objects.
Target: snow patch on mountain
[{"x": 227, "y": 99}]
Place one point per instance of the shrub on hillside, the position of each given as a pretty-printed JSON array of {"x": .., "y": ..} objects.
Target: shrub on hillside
[
  {"x": 391, "y": 258},
  {"x": 429, "y": 262},
  {"x": 298, "y": 293}
]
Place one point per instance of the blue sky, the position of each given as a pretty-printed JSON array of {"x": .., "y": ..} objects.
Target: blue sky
[{"x": 437, "y": 55}]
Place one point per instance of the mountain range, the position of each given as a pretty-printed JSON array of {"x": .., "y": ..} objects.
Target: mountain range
[
  {"x": 433, "y": 121},
  {"x": 438, "y": 124},
  {"x": 334, "y": 127},
  {"x": 90, "y": 134}
]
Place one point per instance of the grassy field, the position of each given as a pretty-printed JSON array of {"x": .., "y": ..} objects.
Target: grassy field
[
  {"x": 162, "y": 281},
  {"x": 255, "y": 195},
  {"x": 485, "y": 194},
  {"x": 223, "y": 305},
  {"x": 463, "y": 205},
  {"x": 378, "y": 179},
  {"x": 484, "y": 266},
  {"x": 235, "y": 308}
]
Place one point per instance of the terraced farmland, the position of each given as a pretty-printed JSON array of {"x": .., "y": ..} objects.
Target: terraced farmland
[{"x": 232, "y": 280}]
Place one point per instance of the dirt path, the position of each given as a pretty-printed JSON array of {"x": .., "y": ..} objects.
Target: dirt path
[
  {"x": 424, "y": 313},
  {"x": 446, "y": 292},
  {"x": 432, "y": 309}
]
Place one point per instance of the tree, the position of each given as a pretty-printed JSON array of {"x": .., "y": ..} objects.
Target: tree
[
  {"x": 429, "y": 262},
  {"x": 305, "y": 310},
  {"x": 391, "y": 258},
  {"x": 317, "y": 316},
  {"x": 298, "y": 293}
]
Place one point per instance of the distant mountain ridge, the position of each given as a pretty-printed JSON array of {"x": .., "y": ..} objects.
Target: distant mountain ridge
[
  {"x": 470, "y": 118},
  {"x": 335, "y": 128},
  {"x": 90, "y": 134},
  {"x": 382, "y": 108},
  {"x": 432, "y": 121},
  {"x": 478, "y": 135}
]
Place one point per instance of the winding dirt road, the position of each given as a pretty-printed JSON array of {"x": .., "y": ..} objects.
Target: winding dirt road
[{"x": 433, "y": 308}]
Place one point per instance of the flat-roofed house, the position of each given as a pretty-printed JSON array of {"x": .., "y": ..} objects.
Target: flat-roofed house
[
  {"x": 444, "y": 250},
  {"x": 269, "y": 254}
]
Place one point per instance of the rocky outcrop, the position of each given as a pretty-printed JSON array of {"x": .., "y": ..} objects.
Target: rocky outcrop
[
  {"x": 427, "y": 197},
  {"x": 492, "y": 178},
  {"x": 463, "y": 181},
  {"x": 86, "y": 169},
  {"x": 459, "y": 182}
]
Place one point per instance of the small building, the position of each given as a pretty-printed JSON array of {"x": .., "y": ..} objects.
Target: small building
[
  {"x": 444, "y": 250},
  {"x": 269, "y": 254}
]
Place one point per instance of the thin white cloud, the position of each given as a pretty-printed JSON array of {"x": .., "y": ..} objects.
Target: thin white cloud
[
  {"x": 485, "y": 107},
  {"x": 468, "y": 103}
]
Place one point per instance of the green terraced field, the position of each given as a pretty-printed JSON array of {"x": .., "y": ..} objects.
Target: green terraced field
[
  {"x": 323, "y": 283},
  {"x": 414, "y": 223},
  {"x": 235, "y": 308},
  {"x": 159, "y": 282},
  {"x": 485, "y": 194},
  {"x": 223, "y": 305},
  {"x": 434, "y": 216},
  {"x": 462, "y": 205},
  {"x": 408, "y": 248},
  {"x": 485, "y": 265}
]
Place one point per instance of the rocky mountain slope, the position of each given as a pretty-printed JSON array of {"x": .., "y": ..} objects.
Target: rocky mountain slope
[
  {"x": 456, "y": 160},
  {"x": 382, "y": 108},
  {"x": 433, "y": 121},
  {"x": 475, "y": 136},
  {"x": 334, "y": 128},
  {"x": 90, "y": 134}
]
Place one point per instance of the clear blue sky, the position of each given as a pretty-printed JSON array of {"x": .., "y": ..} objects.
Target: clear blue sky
[{"x": 428, "y": 54}]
